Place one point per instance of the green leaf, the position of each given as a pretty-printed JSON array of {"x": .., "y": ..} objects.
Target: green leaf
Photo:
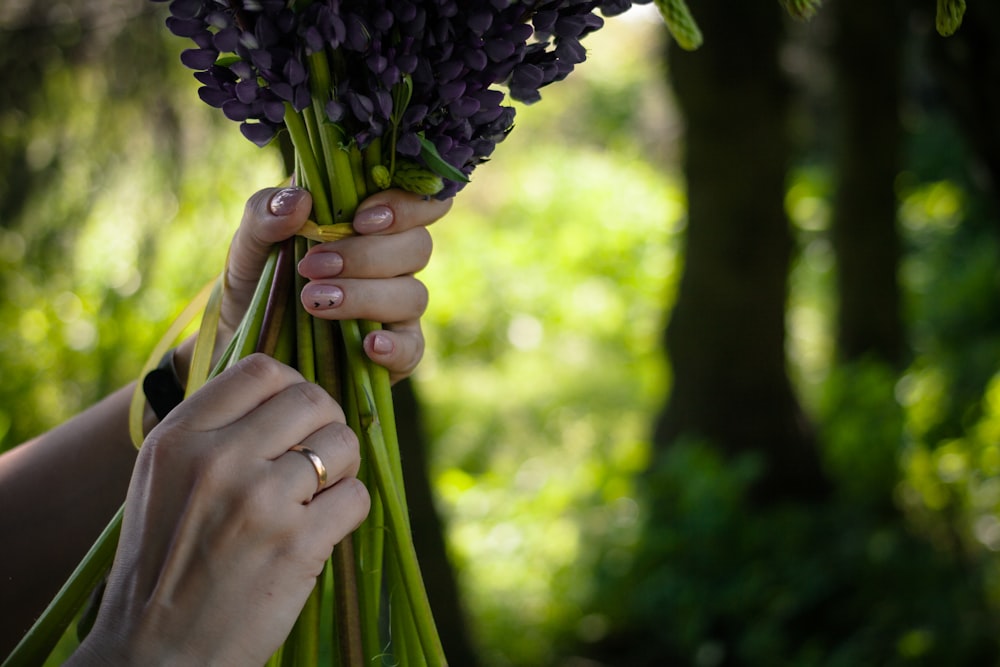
[
  {"x": 430, "y": 155},
  {"x": 401, "y": 94},
  {"x": 226, "y": 61}
]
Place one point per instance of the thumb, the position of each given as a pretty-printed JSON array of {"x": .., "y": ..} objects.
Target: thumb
[{"x": 270, "y": 216}]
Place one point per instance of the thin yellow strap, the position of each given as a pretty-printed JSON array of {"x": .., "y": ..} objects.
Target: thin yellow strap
[
  {"x": 187, "y": 315},
  {"x": 324, "y": 233},
  {"x": 201, "y": 360}
]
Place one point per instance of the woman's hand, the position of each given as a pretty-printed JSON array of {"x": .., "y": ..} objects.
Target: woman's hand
[
  {"x": 369, "y": 276},
  {"x": 225, "y": 529}
]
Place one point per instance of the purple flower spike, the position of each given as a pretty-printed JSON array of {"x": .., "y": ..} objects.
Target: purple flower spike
[
  {"x": 408, "y": 145},
  {"x": 544, "y": 21},
  {"x": 361, "y": 106},
  {"x": 236, "y": 110},
  {"x": 184, "y": 27},
  {"x": 479, "y": 22},
  {"x": 572, "y": 51},
  {"x": 476, "y": 60},
  {"x": 283, "y": 90},
  {"x": 246, "y": 91},
  {"x": 570, "y": 26},
  {"x": 464, "y": 107},
  {"x": 214, "y": 97},
  {"x": 335, "y": 111},
  {"x": 295, "y": 72},
  {"x": 259, "y": 133},
  {"x": 301, "y": 99},
  {"x": 242, "y": 70},
  {"x": 199, "y": 58},
  {"x": 227, "y": 39},
  {"x": 187, "y": 9},
  {"x": 357, "y": 33},
  {"x": 274, "y": 111},
  {"x": 457, "y": 56},
  {"x": 450, "y": 92},
  {"x": 499, "y": 49}
]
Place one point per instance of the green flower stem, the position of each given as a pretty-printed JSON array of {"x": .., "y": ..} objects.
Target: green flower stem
[
  {"x": 36, "y": 646},
  {"x": 310, "y": 119},
  {"x": 347, "y": 604},
  {"x": 406, "y": 644},
  {"x": 273, "y": 320},
  {"x": 372, "y": 158},
  {"x": 344, "y": 193},
  {"x": 397, "y": 521},
  {"x": 368, "y": 554},
  {"x": 201, "y": 360},
  {"x": 357, "y": 170},
  {"x": 369, "y": 564},
  {"x": 323, "y": 142},
  {"x": 327, "y": 617},
  {"x": 302, "y": 647},
  {"x": 225, "y": 360},
  {"x": 382, "y": 392},
  {"x": 311, "y": 176},
  {"x": 248, "y": 333},
  {"x": 303, "y": 320},
  {"x": 323, "y": 163},
  {"x": 286, "y": 350},
  {"x": 338, "y": 175},
  {"x": 343, "y": 187},
  {"x": 345, "y": 578},
  {"x": 320, "y": 82}
]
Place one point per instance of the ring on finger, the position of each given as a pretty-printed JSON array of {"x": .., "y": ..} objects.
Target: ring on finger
[{"x": 317, "y": 464}]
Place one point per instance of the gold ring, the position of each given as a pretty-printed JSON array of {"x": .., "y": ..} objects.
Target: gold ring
[{"x": 317, "y": 464}]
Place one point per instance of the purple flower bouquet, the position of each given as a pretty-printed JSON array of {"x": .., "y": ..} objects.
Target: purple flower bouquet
[{"x": 373, "y": 94}]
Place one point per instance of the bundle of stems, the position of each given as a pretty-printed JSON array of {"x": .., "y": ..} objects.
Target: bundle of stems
[
  {"x": 342, "y": 619},
  {"x": 370, "y": 604}
]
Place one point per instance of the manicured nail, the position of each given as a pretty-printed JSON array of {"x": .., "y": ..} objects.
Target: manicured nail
[
  {"x": 321, "y": 265},
  {"x": 373, "y": 219},
  {"x": 381, "y": 344},
  {"x": 322, "y": 297},
  {"x": 284, "y": 201}
]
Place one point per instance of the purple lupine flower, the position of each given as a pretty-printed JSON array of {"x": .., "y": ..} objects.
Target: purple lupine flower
[{"x": 459, "y": 57}]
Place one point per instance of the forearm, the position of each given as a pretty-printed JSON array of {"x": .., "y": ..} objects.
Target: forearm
[{"x": 57, "y": 492}]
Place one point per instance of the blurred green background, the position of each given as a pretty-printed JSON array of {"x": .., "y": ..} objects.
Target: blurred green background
[{"x": 577, "y": 538}]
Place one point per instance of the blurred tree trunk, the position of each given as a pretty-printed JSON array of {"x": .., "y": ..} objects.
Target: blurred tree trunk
[
  {"x": 428, "y": 531},
  {"x": 967, "y": 68},
  {"x": 726, "y": 338},
  {"x": 965, "y": 86},
  {"x": 865, "y": 57}
]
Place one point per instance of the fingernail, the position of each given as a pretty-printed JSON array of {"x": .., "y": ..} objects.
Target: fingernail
[
  {"x": 381, "y": 344},
  {"x": 322, "y": 297},
  {"x": 321, "y": 265},
  {"x": 284, "y": 201},
  {"x": 373, "y": 219}
]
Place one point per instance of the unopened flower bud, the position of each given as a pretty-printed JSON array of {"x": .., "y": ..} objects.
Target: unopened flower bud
[
  {"x": 411, "y": 177},
  {"x": 801, "y": 9},
  {"x": 680, "y": 23},
  {"x": 381, "y": 177},
  {"x": 949, "y": 16}
]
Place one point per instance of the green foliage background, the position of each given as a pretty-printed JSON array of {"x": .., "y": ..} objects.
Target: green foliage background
[{"x": 549, "y": 287}]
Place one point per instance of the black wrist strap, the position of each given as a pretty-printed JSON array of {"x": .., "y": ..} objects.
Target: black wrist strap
[{"x": 163, "y": 387}]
